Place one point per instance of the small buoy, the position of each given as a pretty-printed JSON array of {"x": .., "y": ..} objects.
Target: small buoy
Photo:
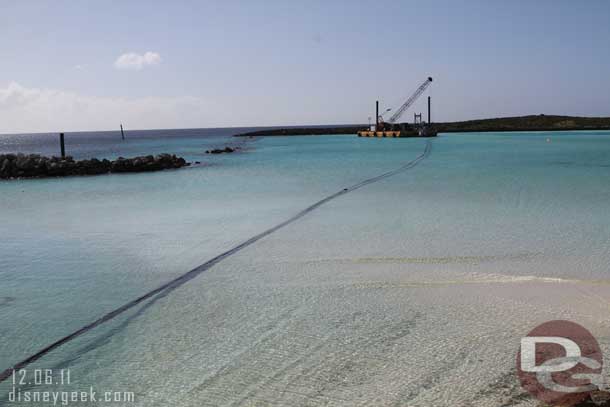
[{"x": 548, "y": 140}]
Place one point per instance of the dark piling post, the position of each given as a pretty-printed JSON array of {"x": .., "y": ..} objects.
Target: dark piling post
[
  {"x": 377, "y": 115},
  {"x": 62, "y": 145},
  {"x": 122, "y": 132},
  {"x": 429, "y": 110}
]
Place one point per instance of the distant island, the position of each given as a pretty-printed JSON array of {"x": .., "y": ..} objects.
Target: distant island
[
  {"x": 304, "y": 131},
  {"x": 540, "y": 122}
]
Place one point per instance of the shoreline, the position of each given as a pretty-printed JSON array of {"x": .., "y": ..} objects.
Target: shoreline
[
  {"x": 503, "y": 124},
  {"x": 303, "y": 131}
]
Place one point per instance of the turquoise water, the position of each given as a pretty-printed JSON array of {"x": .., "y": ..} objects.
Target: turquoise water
[{"x": 316, "y": 312}]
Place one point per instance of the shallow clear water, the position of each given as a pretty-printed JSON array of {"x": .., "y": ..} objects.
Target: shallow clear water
[{"x": 384, "y": 295}]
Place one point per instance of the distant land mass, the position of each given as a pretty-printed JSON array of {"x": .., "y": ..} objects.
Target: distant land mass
[
  {"x": 540, "y": 122},
  {"x": 305, "y": 131}
]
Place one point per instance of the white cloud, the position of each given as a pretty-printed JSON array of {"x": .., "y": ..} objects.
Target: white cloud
[
  {"x": 136, "y": 62},
  {"x": 25, "y": 109}
]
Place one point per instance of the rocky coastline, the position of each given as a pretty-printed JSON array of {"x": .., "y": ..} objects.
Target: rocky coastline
[{"x": 37, "y": 166}]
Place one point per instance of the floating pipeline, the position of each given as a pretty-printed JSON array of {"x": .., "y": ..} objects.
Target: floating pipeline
[
  {"x": 186, "y": 277},
  {"x": 37, "y": 166}
]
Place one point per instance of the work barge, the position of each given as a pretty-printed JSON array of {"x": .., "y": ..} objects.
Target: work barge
[
  {"x": 392, "y": 129},
  {"x": 427, "y": 131}
]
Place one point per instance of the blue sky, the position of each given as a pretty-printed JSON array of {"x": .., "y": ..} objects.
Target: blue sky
[{"x": 87, "y": 65}]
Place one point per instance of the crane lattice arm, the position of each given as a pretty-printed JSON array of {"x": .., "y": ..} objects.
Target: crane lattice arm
[{"x": 410, "y": 101}]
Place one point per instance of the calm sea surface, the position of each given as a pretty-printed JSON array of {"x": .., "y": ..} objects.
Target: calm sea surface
[
  {"x": 358, "y": 301},
  {"x": 190, "y": 143}
]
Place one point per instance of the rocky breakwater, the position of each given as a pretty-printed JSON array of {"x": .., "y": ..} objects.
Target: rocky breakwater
[
  {"x": 37, "y": 166},
  {"x": 222, "y": 150}
]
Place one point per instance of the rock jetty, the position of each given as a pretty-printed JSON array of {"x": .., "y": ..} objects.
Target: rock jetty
[
  {"x": 304, "y": 131},
  {"x": 221, "y": 150},
  {"x": 37, "y": 166}
]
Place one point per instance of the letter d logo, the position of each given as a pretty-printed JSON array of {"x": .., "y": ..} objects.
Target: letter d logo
[{"x": 528, "y": 353}]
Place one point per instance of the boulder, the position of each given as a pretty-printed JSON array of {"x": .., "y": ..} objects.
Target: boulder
[
  {"x": 220, "y": 150},
  {"x": 6, "y": 166}
]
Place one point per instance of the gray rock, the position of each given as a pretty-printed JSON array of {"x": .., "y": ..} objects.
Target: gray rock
[{"x": 34, "y": 165}]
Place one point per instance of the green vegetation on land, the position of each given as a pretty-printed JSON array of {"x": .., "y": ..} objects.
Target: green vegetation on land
[
  {"x": 521, "y": 123},
  {"x": 527, "y": 123}
]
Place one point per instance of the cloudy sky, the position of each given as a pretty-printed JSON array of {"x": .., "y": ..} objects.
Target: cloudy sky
[{"x": 90, "y": 65}]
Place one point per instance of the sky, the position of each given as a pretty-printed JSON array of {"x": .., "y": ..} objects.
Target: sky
[{"x": 91, "y": 65}]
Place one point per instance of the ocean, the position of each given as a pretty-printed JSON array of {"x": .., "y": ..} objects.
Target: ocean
[
  {"x": 412, "y": 290},
  {"x": 108, "y": 144}
]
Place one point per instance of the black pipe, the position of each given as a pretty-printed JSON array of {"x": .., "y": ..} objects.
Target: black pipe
[
  {"x": 180, "y": 280},
  {"x": 62, "y": 145},
  {"x": 376, "y": 115}
]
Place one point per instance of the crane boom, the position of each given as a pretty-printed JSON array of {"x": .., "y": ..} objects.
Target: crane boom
[{"x": 410, "y": 101}]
